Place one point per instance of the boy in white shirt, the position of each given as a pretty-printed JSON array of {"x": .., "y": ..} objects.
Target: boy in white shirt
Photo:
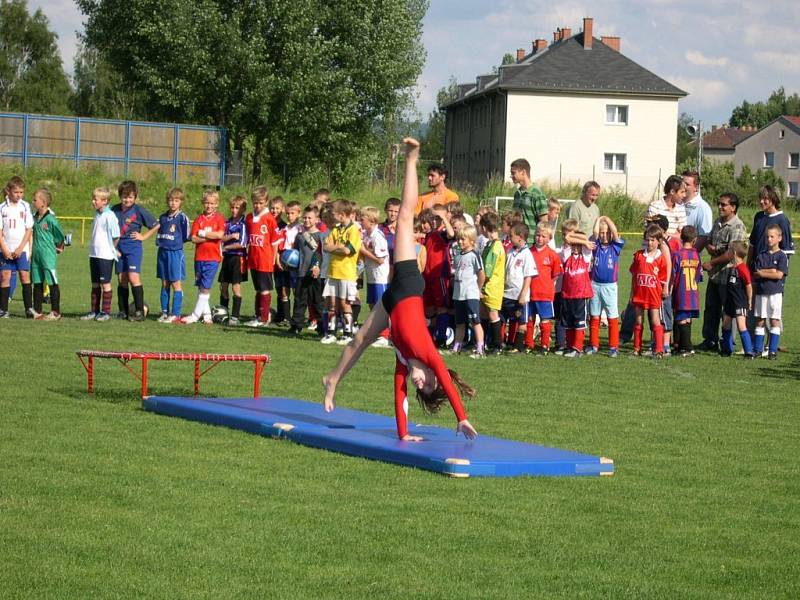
[
  {"x": 16, "y": 223},
  {"x": 102, "y": 255},
  {"x": 375, "y": 252},
  {"x": 520, "y": 269}
]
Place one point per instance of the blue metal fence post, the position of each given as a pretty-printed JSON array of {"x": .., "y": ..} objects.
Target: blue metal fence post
[
  {"x": 175, "y": 154},
  {"x": 25, "y": 118},
  {"x": 223, "y": 153},
  {"x": 77, "y": 142},
  {"x": 127, "y": 146}
]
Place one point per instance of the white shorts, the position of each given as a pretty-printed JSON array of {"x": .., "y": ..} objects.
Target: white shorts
[
  {"x": 340, "y": 288},
  {"x": 768, "y": 307}
]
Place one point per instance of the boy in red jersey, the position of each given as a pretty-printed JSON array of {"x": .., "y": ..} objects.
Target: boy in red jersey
[
  {"x": 576, "y": 289},
  {"x": 686, "y": 274},
  {"x": 207, "y": 231},
  {"x": 543, "y": 289},
  {"x": 262, "y": 240},
  {"x": 417, "y": 358},
  {"x": 650, "y": 278}
]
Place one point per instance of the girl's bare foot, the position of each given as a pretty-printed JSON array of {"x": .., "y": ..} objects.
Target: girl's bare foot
[{"x": 329, "y": 386}]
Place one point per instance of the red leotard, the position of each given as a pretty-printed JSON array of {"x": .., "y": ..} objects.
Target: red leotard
[{"x": 411, "y": 340}]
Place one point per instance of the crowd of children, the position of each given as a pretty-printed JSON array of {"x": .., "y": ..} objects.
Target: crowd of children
[{"x": 485, "y": 286}]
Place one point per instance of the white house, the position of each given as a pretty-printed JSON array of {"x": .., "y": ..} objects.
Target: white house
[{"x": 577, "y": 109}]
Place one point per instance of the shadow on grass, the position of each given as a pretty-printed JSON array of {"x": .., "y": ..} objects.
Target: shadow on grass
[
  {"x": 124, "y": 396},
  {"x": 782, "y": 369}
]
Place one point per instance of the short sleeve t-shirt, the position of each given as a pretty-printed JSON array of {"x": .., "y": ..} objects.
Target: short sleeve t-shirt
[
  {"x": 173, "y": 231},
  {"x": 605, "y": 268},
  {"x": 576, "y": 282},
  {"x": 105, "y": 229},
  {"x": 17, "y": 218},
  {"x": 533, "y": 204},
  {"x": 344, "y": 267},
  {"x": 132, "y": 221},
  {"x": 649, "y": 276},
  {"x": 262, "y": 233},
  {"x": 519, "y": 265},
  {"x": 686, "y": 274},
  {"x": 239, "y": 229},
  {"x": 466, "y": 267},
  {"x": 548, "y": 264},
  {"x": 376, "y": 243},
  {"x": 208, "y": 250},
  {"x": 771, "y": 260}
]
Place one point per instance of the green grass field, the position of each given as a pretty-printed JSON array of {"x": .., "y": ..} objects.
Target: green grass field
[{"x": 100, "y": 499}]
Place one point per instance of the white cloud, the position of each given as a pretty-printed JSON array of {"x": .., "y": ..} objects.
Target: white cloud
[
  {"x": 780, "y": 61},
  {"x": 66, "y": 21},
  {"x": 706, "y": 93},
  {"x": 701, "y": 60}
]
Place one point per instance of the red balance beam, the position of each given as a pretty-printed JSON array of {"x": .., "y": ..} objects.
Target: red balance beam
[{"x": 87, "y": 360}]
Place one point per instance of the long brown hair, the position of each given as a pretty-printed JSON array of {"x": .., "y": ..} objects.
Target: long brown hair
[{"x": 431, "y": 403}]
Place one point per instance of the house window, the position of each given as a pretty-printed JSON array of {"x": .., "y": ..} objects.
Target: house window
[
  {"x": 792, "y": 189},
  {"x": 769, "y": 160},
  {"x": 782, "y": 134},
  {"x": 616, "y": 114},
  {"x": 794, "y": 160},
  {"x": 615, "y": 163}
]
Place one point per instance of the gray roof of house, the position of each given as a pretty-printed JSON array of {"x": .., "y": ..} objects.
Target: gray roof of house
[{"x": 567, "y": 67}]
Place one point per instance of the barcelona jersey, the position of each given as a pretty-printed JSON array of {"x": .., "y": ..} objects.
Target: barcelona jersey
[{"x": 686, "y": 274}]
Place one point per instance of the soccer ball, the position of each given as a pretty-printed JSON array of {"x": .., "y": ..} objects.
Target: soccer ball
[
  {"x": 219, "y": 314},
  {"x": 450, "y": 336},
  {"x": 290, "y": 258}
]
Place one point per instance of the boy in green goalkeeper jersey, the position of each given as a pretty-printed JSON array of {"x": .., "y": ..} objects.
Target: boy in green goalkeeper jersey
[{"x": 48, "y": 242}]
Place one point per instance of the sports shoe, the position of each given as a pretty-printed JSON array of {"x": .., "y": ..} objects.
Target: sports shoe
[
  {"x": 765, "y": 353},
  {"x": 477, "y": 355},
  {"x": 121, "y": 316},
  {"x": 91, "y": 316},
  {"x": 572, "y": 353},
  {"x": 172, "y": 319},
  {"x": 233, "y": 321},
  {"x": 207, "y": 319},
  {"x": 32, "y": 314},
  {"x": 772, "y": 356},
  {"x": 381, "y": 342},
  {"x": 164, "y": 318},
  {"x": 749, "y": 356},
  {"x": 137, "y": 316},
  {"x": 613, "y": 353},
  {"x": 312, "y": 326},
  {"x": 512, "y": 350},
  {"x": 328, "y": 339},
  {"x": 560, "y": 351},
  {"x": 344, "y": 340},
  {"x": 255, "y": 323},
  {"x": 102, "y": 317},
  {"x": 590, "y": 350},
  {"x": 189, "y": 319},
  {"x": 636, "y": 353}
]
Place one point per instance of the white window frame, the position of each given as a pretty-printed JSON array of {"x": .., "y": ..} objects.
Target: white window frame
[
  {"x": 767, "y": 164},
  {"x": 616, "y": 119},
  {"x": 796, "y": 163},
  {"x": 796, "y": 190},
  {"x": 615, "y": 168}
]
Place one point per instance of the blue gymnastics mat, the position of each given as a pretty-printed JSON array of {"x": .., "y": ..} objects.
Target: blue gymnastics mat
[{"x": 373, "y": 436}]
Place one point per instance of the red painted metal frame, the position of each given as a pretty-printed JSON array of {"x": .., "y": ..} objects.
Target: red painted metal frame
[{"x": 258, "y": 360}]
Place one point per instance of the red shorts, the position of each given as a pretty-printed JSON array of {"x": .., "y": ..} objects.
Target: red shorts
[{"x": 437, "y": 293}]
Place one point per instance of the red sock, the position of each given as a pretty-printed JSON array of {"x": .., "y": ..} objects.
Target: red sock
[
  {"x": 544, "y": 334},
  {"x": 512, "y": 332},
  {"x": 594, "y": 332},
  {"x": 580, "y": 336},
  {"x": 613, "y": 333},
  {"x": 95, "y": 299},
  {"x": 107, "y": 301},
  {"x": 658, "y": 335},
  {"x": 502, "y": 339},
  {"x": 529, "y": 333},
  {"x": 570, "y": 338},
  {"x": 385, "y": 333},
  {"x": 637, "y": 337},
  {"x": 263, "y": 307}
]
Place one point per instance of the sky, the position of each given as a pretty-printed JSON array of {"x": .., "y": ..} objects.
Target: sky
[{"x": 720, "y": 52}]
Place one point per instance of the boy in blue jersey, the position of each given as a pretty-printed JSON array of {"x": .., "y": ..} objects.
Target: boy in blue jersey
[
  {"x": 769, "y": 275},
  {"x": 234, "y": 259},
  {"x": 770, "y": 214},
  {"x": 174, "y": 231},
  {"x": 686, "y": 274},
  {"x": 132, "y": 218},
  {"x": 605, "y": 275}
]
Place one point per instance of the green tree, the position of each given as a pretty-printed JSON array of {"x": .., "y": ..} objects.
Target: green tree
[
  {"x": 758, "y": 114},
  {"x": 32, "y": 78},
  {"x": 433, "y": 140},
  {"x": 307, "y": 81}
]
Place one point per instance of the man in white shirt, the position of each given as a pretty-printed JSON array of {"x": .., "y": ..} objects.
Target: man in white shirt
[{"x": 698, "y": 211}]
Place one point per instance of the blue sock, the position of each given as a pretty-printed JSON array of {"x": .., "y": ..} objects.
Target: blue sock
[
  {"x": 758, "y": 345},
  {"x": 323, "y": 324},
  {"x": 727, "y": 341},
  {"x": 774, "y": 338},
  {"x": 164, "y": 300},
  {"x": 441, "y": 327},
  {"x": 177, "y": 302},
  {"x": 747, "y": 343}
]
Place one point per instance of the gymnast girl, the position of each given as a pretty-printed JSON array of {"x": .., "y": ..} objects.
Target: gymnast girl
[{"x": 401, "y": 310}]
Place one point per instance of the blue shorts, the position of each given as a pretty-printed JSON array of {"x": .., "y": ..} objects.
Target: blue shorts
[
  {"x": 684, "y": 315},
  {"x": 130, "y": 260},
  {"x": 542, "y": 308},
  {"x": 21, "y": 263},
  {"x": 666, "y": 313},
  {"x": 604, "y": 298},
  {"x": 101, "y": 269},
  {"x": 375, "y": 292},
  {"x": 511, "y": 310},
  {"x": 204, "y": 272},
  {"x": 466, "y": 311},
  {"x": 171, "y": 265}
]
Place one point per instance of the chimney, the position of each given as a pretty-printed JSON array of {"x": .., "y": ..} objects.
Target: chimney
[
  {"x": 556, "y": 33},
  {"x": 566, "y": 33},
  {"x": 610, "y": 41},
  {"x": 587, "y": 33},
  {"x": 520, "y": 54},
  {"x": 539, "y": 44},
  {"x": 713, "y": 128}
]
